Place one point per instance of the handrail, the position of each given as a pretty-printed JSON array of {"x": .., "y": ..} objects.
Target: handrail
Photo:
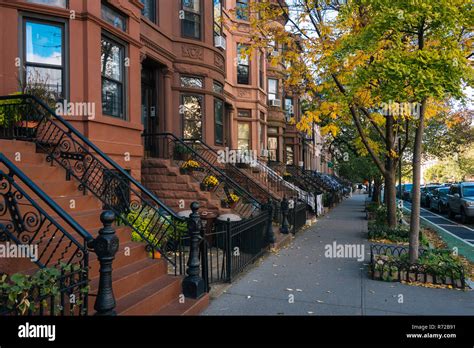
[
  {"x": 301, "y": 179},
  {"x": 268, "y": 194},
  {"x": 195, "y": 153},
  {"x": 36, "y": 219},
  {"x": 95, "y": 148},
  {"x": 305, "y": 196},
  {"x": 96, "y": 172}
]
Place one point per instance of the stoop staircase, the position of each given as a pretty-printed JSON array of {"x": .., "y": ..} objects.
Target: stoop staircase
[{"x": 142, "y": 286}]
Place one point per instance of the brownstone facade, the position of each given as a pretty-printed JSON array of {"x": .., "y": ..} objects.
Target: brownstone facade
[{"x": 154, "y": 66}]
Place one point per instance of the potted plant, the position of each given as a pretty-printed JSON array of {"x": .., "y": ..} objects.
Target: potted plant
[
  {"x": 230, "y": 201},
  {"x": 9, "y": 115},
  {"x": 287, "y": 176},
  {"x": 189, "y": 166},
  {"x": 181, "y": 152},
  {"x": 209, "y": 183}
]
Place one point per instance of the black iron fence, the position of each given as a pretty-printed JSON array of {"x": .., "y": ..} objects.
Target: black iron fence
[
  {"x": 297, "y": 216},
  {"x": 226, "y": 249},
  {"x": 391, "y": 263}
]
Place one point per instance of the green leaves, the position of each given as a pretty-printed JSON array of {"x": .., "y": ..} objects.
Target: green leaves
[{"x": 20, "y": 293}]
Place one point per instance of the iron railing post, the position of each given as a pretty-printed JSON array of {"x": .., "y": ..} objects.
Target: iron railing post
[
  {"x": 106, "y": 246},
  {"x": 193, "y": 285},
  {"x": 228, "y": 234},
  {"x": 284, "y": 211},
  {"x": 294, "y": 218},
  {"x": 270, "y": 236}
]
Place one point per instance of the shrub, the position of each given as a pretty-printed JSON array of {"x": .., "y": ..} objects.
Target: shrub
[{"x": 399, "y": 234}]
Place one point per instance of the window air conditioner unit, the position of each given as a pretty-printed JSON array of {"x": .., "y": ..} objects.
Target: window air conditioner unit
[
  {"x": 275, "y": 53},
  {"x": 219, "y": 42},
  {"x": 275, "y": 102}
]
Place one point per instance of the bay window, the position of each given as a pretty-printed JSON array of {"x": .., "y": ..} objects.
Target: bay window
[
  {"x": 243, "y": 136},
  {"x": 192, "y": 111},
  {"x": 242, "y": 10},
  {"x": 191, "y": 23},
  {"x": 272, "y": 89},
  {"x": 218, "y": 121},
  {"x": 113, "y": 81},
  {"x": 243, "y": 65}
]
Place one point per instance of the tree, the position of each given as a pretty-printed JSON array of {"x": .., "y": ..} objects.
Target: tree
[{"x": 383, "y": 64}]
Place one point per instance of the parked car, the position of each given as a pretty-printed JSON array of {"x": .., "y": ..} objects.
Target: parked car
[
  {"x": 406, "y": 192},
  {"x": 461, "y": 201},
  {"x": 426, "y": 194},
  {"x": 439, "y": 199}
]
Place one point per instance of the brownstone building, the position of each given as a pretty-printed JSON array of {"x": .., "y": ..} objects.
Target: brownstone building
[{"x": 153, "y": 66}]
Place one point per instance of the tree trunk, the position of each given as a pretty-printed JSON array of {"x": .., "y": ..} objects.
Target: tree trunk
[
  {"x": 376, "y": 194},
  {"x": 415, "y": 203},
  {"x": 390, "y": 192}
]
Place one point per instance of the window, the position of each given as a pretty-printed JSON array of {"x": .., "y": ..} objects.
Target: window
[
  {"x": 192, "y": 82},
  {"x": 149, "y": 9},
  {"x": 217, "y": 87},
  {"x": 192, "y": 116},
  {"x": 57, "y": 3},
  {"x": 290, "y": 159},
  {"x": 261, "y": 69},
  {"x": 217, "y": 17},
  {"x": 113, "y": 86},
  {"x": 191, "y": 23},
  {"x": 243, "y": 68},
  {"x": 114, "y": 17},
  {"x": 468, "y": 191},
  {"x": 243, "y": 136},
  {"x": 242, "y": 10},
  {"x": 218, "y": 121},
  {"x": 272, "y": 145},
  {"x": 272, "y": 89},
  {"x": 289, "y": 108},
  {"x": 261, "y": 136},
  {"x": 244, "y": 113},
  {"x": 44, "y": 55}
]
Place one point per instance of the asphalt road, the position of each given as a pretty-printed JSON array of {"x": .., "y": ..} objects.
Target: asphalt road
[{"x": 464, "y": 232}]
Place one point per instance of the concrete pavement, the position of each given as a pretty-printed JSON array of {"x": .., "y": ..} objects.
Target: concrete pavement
[{"x": 300, "y": 280}]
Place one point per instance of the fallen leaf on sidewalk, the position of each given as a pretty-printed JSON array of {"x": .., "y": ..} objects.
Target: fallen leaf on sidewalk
[
  {"x": 288, "y": 289},
  {"x": 372, "y": 291},
  {"x": 319, "y": 301},
  {"x": 299, "y": 290},
  {"x": 249, "y": 296},
  {"x": 310, "y": 312}
]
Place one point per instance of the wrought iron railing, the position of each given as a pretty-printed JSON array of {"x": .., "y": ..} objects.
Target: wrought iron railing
[
  {"x": 28, "y": 118},
  {"x": 302, "y": 179},
  {"x": 203, "y": 170},
  {"x": 391, "y": 263},
  {"x": 226, "y": 249},
  {"x": 52, "y": 242},
  {"x": 245, "y": 180}
]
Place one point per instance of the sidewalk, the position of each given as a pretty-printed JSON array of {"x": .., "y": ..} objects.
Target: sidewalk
[{"x": 324, "y": 286}]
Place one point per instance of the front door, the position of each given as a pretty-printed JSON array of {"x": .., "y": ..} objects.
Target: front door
[{"x": 149, "y": 103}]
